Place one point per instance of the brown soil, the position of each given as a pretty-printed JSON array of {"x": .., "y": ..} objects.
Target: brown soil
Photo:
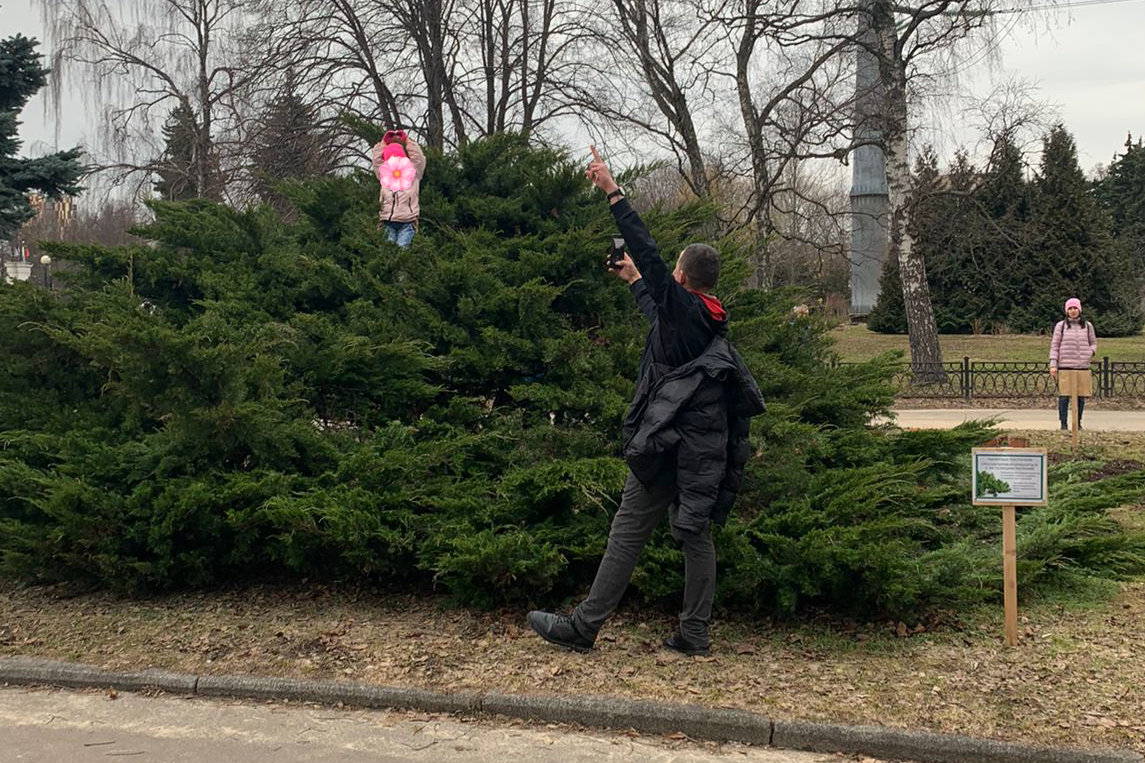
[{"x": 1076, "y": 679}]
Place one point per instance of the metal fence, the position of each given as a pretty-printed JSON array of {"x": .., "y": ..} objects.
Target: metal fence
[{"x": 985, "y": 379}]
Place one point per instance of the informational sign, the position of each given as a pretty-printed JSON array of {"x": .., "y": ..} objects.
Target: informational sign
[{"x": 1009, "y": 477}]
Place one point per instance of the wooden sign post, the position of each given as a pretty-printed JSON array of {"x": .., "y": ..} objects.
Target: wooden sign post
[
  {"x": 1075, "y": 416},
  {"x": 1009, "y": 477}
]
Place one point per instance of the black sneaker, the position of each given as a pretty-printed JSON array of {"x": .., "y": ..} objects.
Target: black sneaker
[
  {"x": 559, "y": 630},
  {"x": 1065, "y": 428},
  {"x": 680, "y": 644}
]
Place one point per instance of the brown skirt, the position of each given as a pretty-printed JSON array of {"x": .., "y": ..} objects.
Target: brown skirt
[{"x": 1078, "y": 383}]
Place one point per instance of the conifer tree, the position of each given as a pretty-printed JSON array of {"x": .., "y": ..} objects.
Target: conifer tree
[
  {"x": 179, "y": 167},
  {"x": 21, "y": 76},
  {"x": 949, "y": 231},
  {"x": 1072, "y": 251},
  {"x": 1005, "y": 253},
  {"x": 1122, "y": 194},
  {"x": 1004, "y": 256},
  {"x": 944, "y": 223},
  {"x": 889, "y": 314},
  {"x": 1004, "y": 191},
  {"x": 289, "y": 146}
]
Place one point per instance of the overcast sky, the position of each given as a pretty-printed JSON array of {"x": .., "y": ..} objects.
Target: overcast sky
[{"x": 1090, "y": 63}]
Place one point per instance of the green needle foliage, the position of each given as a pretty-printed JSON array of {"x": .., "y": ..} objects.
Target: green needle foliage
[
  {"x": 1003, "y": 254},
  {"x": 246, "y": 398},
  {"x": 22, "y": 74}
]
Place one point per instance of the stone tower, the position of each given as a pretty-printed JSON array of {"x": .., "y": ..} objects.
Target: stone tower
[{"x": 869, "y": 200}]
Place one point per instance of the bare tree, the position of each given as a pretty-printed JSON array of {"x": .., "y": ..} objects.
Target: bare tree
[
  {"x": 789, "y": 71},
  {"x": 651, "y": 64},
  {"x": 1014, "y": 108},
  {"x": 453, "y": 70},
  {"x": 433, "y": 28},
  {"x": 793, "y": 103},
  {"x": 530, "y": 57},
  {"x": 347, "y": 55},
  {"x": 904, "y": 38},
  {"x": 138, "y": 60}
]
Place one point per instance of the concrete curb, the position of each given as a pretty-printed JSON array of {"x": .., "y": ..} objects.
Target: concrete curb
[
  {"x": 647, "y": 717},
  {"x": 333, "y": 692},
  {"x": 25, "y": 670},
  {"x": 928, "y": 747},
  {"x": 606, "y": 712}
]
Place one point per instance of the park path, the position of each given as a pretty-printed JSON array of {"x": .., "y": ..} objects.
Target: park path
[
  {"x": 1019, "y": 418},
  {"x": 49, "y": 726}
]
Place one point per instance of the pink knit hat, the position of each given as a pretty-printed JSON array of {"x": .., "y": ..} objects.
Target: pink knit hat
[
  {"x": 1073, "y": 302},
  {"x": 392, "y": 149}
]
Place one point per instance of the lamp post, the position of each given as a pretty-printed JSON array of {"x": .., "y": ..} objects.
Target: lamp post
[{"x": 46, "y": 261}]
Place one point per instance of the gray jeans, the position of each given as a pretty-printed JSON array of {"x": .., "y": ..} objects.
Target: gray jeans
[{"x": 640, "y": 511}]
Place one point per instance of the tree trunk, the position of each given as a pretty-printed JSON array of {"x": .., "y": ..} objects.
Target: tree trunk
[
  {"x": 696, "y": 166},
  {"x": 203, "y": 139},
  {"x": 642, "y": 26},
  {"x": 489, "y": 61},
  {"x": 925, "y": 354}
]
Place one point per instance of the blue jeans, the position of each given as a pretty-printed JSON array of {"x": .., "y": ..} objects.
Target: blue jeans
[
  {"x": 1063, "y": 410},
  {"x": 400, "y": 233}
]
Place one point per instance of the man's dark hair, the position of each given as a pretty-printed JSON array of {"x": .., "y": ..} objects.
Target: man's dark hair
[{"x": 701, "y": 264}]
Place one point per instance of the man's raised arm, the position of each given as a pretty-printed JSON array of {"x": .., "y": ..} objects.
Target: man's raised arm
[{"x": 642, "y": 247}]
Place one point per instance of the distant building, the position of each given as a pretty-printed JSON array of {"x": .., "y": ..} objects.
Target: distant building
[
  {"x": 45, "y": 208},
  {"x": 21, "y": 255}
]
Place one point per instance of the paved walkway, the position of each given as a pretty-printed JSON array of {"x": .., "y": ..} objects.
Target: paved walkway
[
  {"x": 38, "y": 726},
  {"x": 1020, "y": 418}
]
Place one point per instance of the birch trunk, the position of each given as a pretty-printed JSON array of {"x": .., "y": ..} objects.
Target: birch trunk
[{"x": 925, "y": 354}]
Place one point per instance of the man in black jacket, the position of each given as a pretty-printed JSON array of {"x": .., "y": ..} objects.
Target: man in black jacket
[{"x": 685, "y": 434}]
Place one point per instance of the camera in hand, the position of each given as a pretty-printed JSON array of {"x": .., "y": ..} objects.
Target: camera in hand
[{"x": 616, "y": 253}]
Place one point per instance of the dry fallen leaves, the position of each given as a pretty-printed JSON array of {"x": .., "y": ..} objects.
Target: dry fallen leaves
[{"x": 1041, "y": 692}]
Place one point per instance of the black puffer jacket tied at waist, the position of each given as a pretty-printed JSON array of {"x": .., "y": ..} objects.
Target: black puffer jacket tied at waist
[
  {"x": 690, "y": 425},
  {"x": 690, "y": 416}
]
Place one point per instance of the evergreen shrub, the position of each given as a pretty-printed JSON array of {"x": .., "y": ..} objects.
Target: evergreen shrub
[{"x": 246, "y": 398}]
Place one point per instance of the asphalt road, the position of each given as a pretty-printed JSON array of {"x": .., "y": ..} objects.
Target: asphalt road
[{"x": 62, "y": 726}]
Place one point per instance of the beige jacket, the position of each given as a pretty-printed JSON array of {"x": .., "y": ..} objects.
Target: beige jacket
[{"x": 401, "y": 206}]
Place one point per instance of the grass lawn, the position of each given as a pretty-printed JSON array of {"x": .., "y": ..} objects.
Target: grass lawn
[{"x": 860, "y": 343}]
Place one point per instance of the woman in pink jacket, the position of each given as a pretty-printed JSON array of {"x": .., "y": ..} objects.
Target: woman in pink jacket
[{"x": 1073, "y": 347}]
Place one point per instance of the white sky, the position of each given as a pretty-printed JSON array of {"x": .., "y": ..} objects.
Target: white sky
[{"x": 1087, "y": 61}]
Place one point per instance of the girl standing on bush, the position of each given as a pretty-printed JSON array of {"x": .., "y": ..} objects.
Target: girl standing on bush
[
  {"x": 1073, "y": 347},
  {"x": 400, "y": 175}
]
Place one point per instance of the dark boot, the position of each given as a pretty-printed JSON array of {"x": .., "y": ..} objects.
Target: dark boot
[
  {"x": 559, "y": 630},
  {"x": 1063, "y": 412},
  {"x": 680, "y": 644}
]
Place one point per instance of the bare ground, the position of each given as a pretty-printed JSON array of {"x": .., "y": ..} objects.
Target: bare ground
[{"x": 1077, "y": 678}]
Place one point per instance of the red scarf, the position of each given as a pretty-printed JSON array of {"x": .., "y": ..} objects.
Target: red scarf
[{"x": 715, "y": 308}]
